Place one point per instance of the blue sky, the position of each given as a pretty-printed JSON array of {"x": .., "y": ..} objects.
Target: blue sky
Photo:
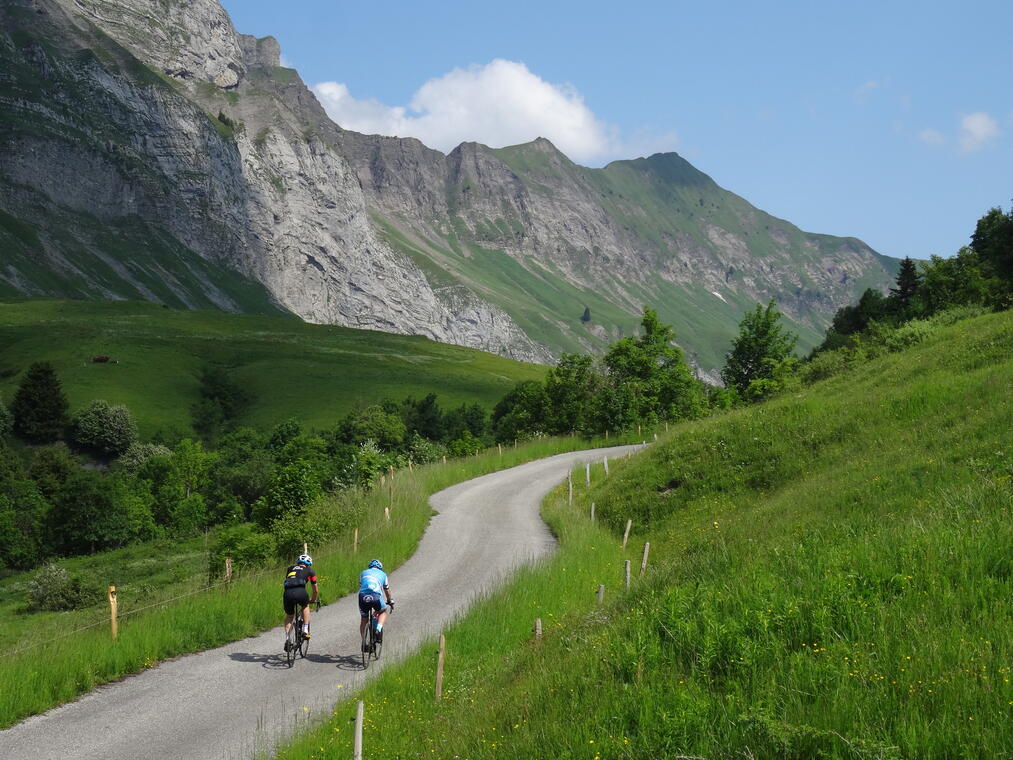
[{"x": 888, "y": 121}]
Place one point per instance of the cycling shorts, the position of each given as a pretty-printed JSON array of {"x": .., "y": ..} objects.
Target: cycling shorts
[
  {"x": 295, "y": 596},
  {"x": 372, "y": 600}
]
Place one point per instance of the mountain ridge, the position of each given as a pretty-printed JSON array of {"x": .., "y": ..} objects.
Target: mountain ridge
[{"x": 201, "y": 133}]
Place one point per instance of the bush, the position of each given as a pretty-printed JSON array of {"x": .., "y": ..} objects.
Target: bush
[
  {"x": 54, "y": 588},
  {"x": 107, "y": 429},
  {"x": 247, "y": 547},
  {"x": 138, "y": 453},
  {"x": 423, "y": 451}
]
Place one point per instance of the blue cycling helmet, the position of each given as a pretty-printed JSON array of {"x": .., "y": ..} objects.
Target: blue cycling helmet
[
  {"x": 305, "y": 559},
  {"x": 376, "y": 563}
]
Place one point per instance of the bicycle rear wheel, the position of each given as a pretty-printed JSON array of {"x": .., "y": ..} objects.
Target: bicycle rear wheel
[
  {"x": 293, "y": 645},
  {"x": 367, "y": 641}
]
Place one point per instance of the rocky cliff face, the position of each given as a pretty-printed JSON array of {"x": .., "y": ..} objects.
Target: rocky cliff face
[{"x": 155, "y": 115}]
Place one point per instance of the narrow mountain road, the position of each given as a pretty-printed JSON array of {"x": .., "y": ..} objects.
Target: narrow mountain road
[{"x": 239, "y": 699}]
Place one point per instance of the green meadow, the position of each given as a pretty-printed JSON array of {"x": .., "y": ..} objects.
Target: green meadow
[
  {"x": 313, "y": 373},
  {"x": 829, "y": 577}
]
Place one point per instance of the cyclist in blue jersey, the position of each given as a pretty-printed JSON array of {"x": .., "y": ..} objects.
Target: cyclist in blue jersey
[{"x": 372, "y": 589}]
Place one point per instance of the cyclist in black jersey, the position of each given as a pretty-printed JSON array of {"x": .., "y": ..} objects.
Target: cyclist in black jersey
[{"x": 296, "y": 578}]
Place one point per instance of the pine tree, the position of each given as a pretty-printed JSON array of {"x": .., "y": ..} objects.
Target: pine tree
[
  {"x": 39, "y": 406},
  {"x": 906, "y": 286}
]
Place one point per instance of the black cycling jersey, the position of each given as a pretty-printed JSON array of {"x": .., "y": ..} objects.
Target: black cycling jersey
[{"x": 298, "y": 576}]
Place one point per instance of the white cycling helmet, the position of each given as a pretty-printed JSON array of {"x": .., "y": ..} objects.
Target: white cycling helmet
[{"x": 305, "y": 559}]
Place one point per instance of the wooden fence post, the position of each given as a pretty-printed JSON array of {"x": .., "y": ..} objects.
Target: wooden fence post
[
  {"x": 569, "y": 483},
  {"x": 305, "y": 548},
  {"x": 592, "y": 511},
  {"x": 386, "y": 513},
  {"x": 643, "y": 562},
  {"x": 409, "y": 465},
  {"x": 538, "y": 629},
  {"x": 655, "y": 436},
  {"x": 439, "y": 668},
  {"x": 606, "y": 434},
  {"x": 112, "y": 611},
  {"x": 355, "y": 541},
  {"x": 626, "y": 533},
  {"x": 357, "y": 745},
  {"x": 601, "y": 593},
  {"x": 500, "y": 447},
  {"x": 605, "y": 460},
  {"x": 587, "y": 474},
  {"x": 638, "y": 429},
  {"x": 444, "y": 459},
  {"x": 627, "y": 575},
  {"x": 666, "y": 426},
  {"x": 228, "y": 570}
]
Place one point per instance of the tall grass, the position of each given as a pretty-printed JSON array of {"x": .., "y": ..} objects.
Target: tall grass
[
  {"x": 43, "y": 668},
  {"x": 830, "y": 578}
]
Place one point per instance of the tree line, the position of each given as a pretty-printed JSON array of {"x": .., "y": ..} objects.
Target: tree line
[{"x": 85, "y": 482}]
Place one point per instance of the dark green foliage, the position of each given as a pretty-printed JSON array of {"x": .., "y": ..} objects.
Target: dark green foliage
[
  {"x": 282, "y": 434},
  {"x": 470, "y": 417},
  {"x": 86, "y": 517},
  {"x": 424, "y": 417},
  {"x": 39, "y": 406},
  {"x": 23, "y": 511},
  {"x": 652, "y": 368},
  {"x": 291, "y": 490},
  {"x": 222, "y": 402},
  {"x": 959, "y": 280},
  {"x": 108, "y": 430},
  {"x": 6, "y": 420},
  {"x": 905, "y": 288},
  {"x": 993, "y": 241},
  {"x": 50, "y": 468},
  {"x": 247, "y": 546},
  {"x": 761, "y": 347},
  {"x": 373, "y": 424},
  {"x": 521, "y": 412},
  {"x": 54, "y": 588},
  {"x": 569, "y": 389}
]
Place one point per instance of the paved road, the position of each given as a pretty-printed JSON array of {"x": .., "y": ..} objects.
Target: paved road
[{"x": 241, "y": 698}]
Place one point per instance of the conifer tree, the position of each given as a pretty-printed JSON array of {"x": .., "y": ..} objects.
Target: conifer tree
[
  {"x": 905, "y": 287},
  {"x": 39, "y": 406}
]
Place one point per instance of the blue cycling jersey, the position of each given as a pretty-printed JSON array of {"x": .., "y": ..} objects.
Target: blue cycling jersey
[{"x": 372, "y": 580}]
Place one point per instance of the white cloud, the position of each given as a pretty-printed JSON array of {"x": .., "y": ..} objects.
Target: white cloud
[
  {"x": 500, "y": 103},
  {"x": 976, "y": 131},
  {"x": 932, "y": 137}
]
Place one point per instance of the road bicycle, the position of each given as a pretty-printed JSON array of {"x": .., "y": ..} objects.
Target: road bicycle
[
  {"x": 371, "y": 646},
  {"x": 297, "y": 642}
]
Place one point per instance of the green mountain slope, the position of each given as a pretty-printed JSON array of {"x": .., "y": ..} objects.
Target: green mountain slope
[
  {"x": 830, "y": 577},
  {"x": 542, "y": 238},
  {"x": 314, "y": 373}
]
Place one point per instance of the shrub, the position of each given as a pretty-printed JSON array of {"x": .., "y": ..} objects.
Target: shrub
[
  {"x": 107, "y": 429},
  {"x": 423, "y": 451},
  {"x": 138, "y": 453},
  {"x": 56, "y": 589},
  {"x": 247, "y": 547}
]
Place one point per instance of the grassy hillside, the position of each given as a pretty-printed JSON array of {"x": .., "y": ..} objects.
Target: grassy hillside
[
  {"x": 830, "y": 577},
  {"x": 314, "y": 373}
]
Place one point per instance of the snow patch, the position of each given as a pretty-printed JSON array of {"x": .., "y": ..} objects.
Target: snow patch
[{"x": 714, "y": 292}]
